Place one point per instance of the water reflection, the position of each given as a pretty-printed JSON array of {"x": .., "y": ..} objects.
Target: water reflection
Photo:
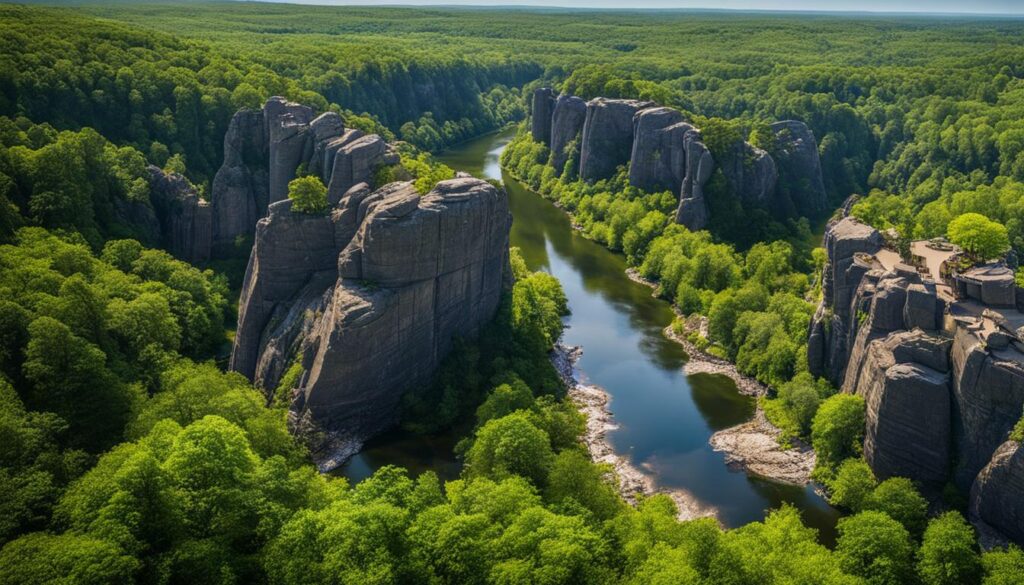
[{"x": 665, "y": 417}]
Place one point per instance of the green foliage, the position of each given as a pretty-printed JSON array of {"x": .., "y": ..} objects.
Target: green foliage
[
  {"x": 1003, "y": 566},
  {"x": 757, "y": 314},
  {"x": 308, "y": 195},
  {"x": 898, "y": 498},
  {"x": 948, "y": 552},
  {"x": 510, "y": 445},
  {"x": 426, "y": 171},
  {"x": 979, "y": 236},
  {"x": 853, "y": 485},
  {"x": 874, "y": 546},
  {"x": 837, "y": 430}
]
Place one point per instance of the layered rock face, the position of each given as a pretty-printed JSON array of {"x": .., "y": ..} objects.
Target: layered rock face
[
  {"x": 607, "y": 136},
  {"x": 996, "y": 493},
  {"x": 750, "y": 172},
  {"x": 846, "y": 241},
  {"x": 664, "y": 152},
  {"x": 264, "y": 149},
  {"x": 693, "y": 209},
  {"x": 543, "y": 108},
  {"x": 943, "y": 380},
  {"x": 904, "y": 380},
  {"x": 658, "y": 159},
  {"x": 371, "y": 298},
  {"x": 566, "y": 127},
  {"x": 988, "y": 398},
  {"x": 186, "y": 221},
  {"x": 799, "y": 165}
]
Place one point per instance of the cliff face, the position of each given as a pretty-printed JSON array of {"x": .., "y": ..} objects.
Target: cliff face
[
  {"x": 185, "y": 220},
  {"x": 264, "y": 149},
  {"x": 796, "y": 154},
  {"x": 607, "y": 136},
  {"x": 664, "y": 152},
  {"x": 942, "y": 379},
  {"x": 543, "y": 108},
  {"x": 566, "y": 127},
  {"x": 371, "y": 298}
]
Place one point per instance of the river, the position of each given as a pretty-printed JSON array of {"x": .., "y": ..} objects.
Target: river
[{"x": 664, "y": 416}]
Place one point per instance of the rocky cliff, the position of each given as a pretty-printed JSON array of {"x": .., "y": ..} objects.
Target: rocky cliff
[
  {"x": 664, "y": 152},
  {"x": 942, "y": 376},
  {"x": 263, "y": 151},
  {"x": 543, "y": 107},
  {"x": 607, "y": 140},
  {"x": 566, "y": 127},
  {"x": 185, "y": 220},
  {"x": 370, "y": 298}
]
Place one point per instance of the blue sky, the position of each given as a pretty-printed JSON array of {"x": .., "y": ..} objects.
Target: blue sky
[{"x": 1015, "y": 7}]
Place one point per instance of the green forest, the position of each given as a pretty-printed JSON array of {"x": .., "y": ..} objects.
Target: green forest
[{"x": 129, "y": 454}]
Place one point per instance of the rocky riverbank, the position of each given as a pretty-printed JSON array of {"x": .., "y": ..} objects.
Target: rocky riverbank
[
  {"x": 593, "y": 401},
  {"x": 754, "y": 445}
]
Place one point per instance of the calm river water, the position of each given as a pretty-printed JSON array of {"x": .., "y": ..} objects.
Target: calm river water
[{"x": 665, "y": 417}]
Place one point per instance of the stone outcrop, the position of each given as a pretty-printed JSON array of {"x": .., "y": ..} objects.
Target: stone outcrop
[
  {"x": 693, "y": 209},
  {"x": 566, "y": 128},
  {"x": 543, "y": 108},
  {"x": 370, "y": 298},
  {"x": 847, "y": 241},
  {"x": 289, "y": 249},
  {"x": 240, "y": 188},
  {"x": 996, "y": 494},
  {"x": 988, "y": 399},
  {"x": 607, "y": 141},
  {"x": 904, "y": 380},
  {"x": 264, "y": 150},
  {"x": 658, "y": 159},
  {"x": 799, "y": 166},
  {"x": 185, "y": 220},
  {"x": 942, "y": 379},
  {"x": 750, "y": 173},
  {"x": 664, "y": 152}
]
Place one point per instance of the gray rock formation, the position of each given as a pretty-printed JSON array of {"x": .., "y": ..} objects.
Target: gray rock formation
[
  {"x": 750, "y": 172},
  {"x": 186, "y": 221},
  {"x": 996, "y": 493},
  {"x": 904, "y": 381},
  {"x": 288, "y": 138},
  {"x": 264, "y": 149},
  {"x": 693, "y": 209},
  {"x": 289, "y": 249},
  {"x": 239, "y": 190},
  {"x": 566, "y": 129},
  {"x": 846, "y": 241},
  {"x": 988, "y": 399},
  {"x": 799, "y": 166},
  {"x": 371, "y": 298},
  {"x": 658, "y": 159},
  {"x": 607, "y": 140},
  {"x": 355, "y": 162},
  {"x": 543, "y": 108}
]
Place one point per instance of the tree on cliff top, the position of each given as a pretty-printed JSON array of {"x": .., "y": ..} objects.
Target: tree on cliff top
[
  {"x": 979, "y": 236},
  {"x": 308, "y": 195}
]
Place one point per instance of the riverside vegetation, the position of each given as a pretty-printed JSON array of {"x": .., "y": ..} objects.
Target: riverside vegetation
[{"x": 130, "y": 456}]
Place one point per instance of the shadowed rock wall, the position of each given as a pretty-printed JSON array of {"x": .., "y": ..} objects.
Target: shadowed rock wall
[{"x": 371, "y": 297}]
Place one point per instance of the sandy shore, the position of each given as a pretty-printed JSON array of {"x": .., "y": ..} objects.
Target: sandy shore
[{"x": 593, "y": 402}]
